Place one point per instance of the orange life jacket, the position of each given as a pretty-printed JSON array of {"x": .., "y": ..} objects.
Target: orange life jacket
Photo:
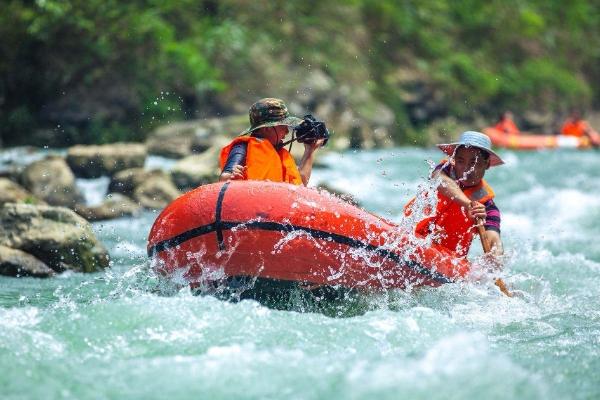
[
  {"x": 574, "y": 128},
  {"x": 508, "y": 126},
  {"x": 450, "y": 223},
  {"x": 264, "y": 162}
]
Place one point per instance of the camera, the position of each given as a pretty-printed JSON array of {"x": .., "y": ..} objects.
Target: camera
[{"x": 310, "y": 130}]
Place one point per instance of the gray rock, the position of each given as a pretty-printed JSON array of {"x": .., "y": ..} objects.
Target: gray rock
[
  {"x": 155, "y": 192},
  {"x": 181, "y": 139},
  {"x": 17, "y": 263},
  {"x": 194, "y": 171},
  {"x": 11, "y": 192},
  {"x": 56, "y": 236},
  {"x": 200, "y": 169},
  {"x": 127, "y": 180},
  {"x": 115, "y": 205},
  {"x": 95, "y": 161},
  {"x": 171, "y": 147},
  {"x": 51, "y": 180}
]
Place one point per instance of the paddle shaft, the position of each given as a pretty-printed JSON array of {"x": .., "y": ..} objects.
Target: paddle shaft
[{"x": 486, "y": 249}]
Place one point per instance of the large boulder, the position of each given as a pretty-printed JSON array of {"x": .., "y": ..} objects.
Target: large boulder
[
  {"x": 152, "y": 189},
  {"x": 17, "y": 263},
  {"x": 181, "y": 139},
  {"x": 56, "y": 236},
  {"x": 170, "y": 147},
  {"x": 115, "y": 205},
  {"x": 51, "y": 180},
  {"x": 156, "y": 192},
  {"x": 11, "y": 192},
  {"x": 196, "y": 170},
  {"x": 127, "y": 180},
  {"x": 95, "y": 161}
]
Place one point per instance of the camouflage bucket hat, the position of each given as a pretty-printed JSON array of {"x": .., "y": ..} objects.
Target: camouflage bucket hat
[{"x": 270, "y": 112}]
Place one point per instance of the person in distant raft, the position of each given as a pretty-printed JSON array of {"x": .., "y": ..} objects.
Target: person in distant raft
[
  {"x": 464, "y": 198},
  {"x": 576, "y": 126},
  {"x": 258, "y": 153},
  {"x": 506, "y": 124}
]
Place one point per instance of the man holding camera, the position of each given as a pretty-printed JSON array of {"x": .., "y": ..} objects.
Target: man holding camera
[{"x": 258, "y": 153}]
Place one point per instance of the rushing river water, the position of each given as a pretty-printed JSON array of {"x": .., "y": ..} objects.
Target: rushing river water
[{"x": 108, "y": 336}]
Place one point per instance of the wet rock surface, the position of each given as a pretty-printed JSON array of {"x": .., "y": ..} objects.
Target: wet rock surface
[
  {"x": 127, "y": 180},
  {"x": 56, "y": 236},
  {"x": 12, "y": 192},
  {"x": 17, "y": 263},
  {"x": 96, "y": 161},
  {"x": 51, "y": 180},
  {"x": 182, "y": 139},
  {"x": 195, "y": 170},
  {"x": 156, "y": 191},
  {"x": 116, "y": 205}
]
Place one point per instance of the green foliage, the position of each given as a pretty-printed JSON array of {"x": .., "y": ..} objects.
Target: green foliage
[
  {"x": 96, "y": 71},
  {"x": 90, "y": 66}
]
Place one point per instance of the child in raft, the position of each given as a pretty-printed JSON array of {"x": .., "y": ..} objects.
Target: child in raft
[{"x": 464, "y": 198}]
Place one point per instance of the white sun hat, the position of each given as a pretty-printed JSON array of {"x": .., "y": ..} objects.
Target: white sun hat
[{"x": 473, "y": 139}]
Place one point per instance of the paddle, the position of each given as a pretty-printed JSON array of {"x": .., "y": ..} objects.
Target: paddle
[{"x": 486, "y": 249}]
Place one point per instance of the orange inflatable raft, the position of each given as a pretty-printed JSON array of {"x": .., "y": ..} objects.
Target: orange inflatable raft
[
  {"x": 284, "y": 232},
  {"x": 534, "y": 142}
]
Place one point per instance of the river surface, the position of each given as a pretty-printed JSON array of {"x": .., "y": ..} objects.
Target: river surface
[{"x": 109, "y": 336}]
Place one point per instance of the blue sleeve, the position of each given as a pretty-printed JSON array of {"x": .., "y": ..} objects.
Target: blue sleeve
[{"x": 237, "y": 156}]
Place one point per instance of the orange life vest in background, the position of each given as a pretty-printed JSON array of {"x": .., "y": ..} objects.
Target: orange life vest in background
[
  {"x": 450, "y": 223},
  {"x": 508, "y": 126},
  {"x": 264, "y": 162},
  {"x": 574, "y": 128}
]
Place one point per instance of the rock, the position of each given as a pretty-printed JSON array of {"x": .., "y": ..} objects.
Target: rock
[
  {"x": 194, "y": 171},
  {"x": 203, "y": 140},
  {"x": 11, "y": 192},
  {"x": 127, "y": 180},
  {"x": 95, "y": 161},
  {"x": 18, "y": 263},
  {"x": 150, "y": 189},
  {"x": 52, "y": 181},
  {"x": 184, "y": 138},
  {"x": 55, "y": 235},
  {"x": 197, "y": 170},
  {"x": 156, "y": 192},
  {"x": 172, "y": 147},
  {"x": 116, "y": 205}
]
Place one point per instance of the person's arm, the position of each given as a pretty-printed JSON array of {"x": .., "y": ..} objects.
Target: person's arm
[
  {"x": 308, "y": 158},
  {"x": 449, "y": 188},
  {"x": 234, "y": 166}
]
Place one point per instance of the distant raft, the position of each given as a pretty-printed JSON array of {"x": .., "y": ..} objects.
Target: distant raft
[
  {"x": 535, "y": 142},
  {"x": 282, "y": 232}
]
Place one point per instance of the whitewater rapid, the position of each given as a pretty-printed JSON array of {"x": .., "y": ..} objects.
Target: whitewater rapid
[{"x": 108, "y": 335}]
